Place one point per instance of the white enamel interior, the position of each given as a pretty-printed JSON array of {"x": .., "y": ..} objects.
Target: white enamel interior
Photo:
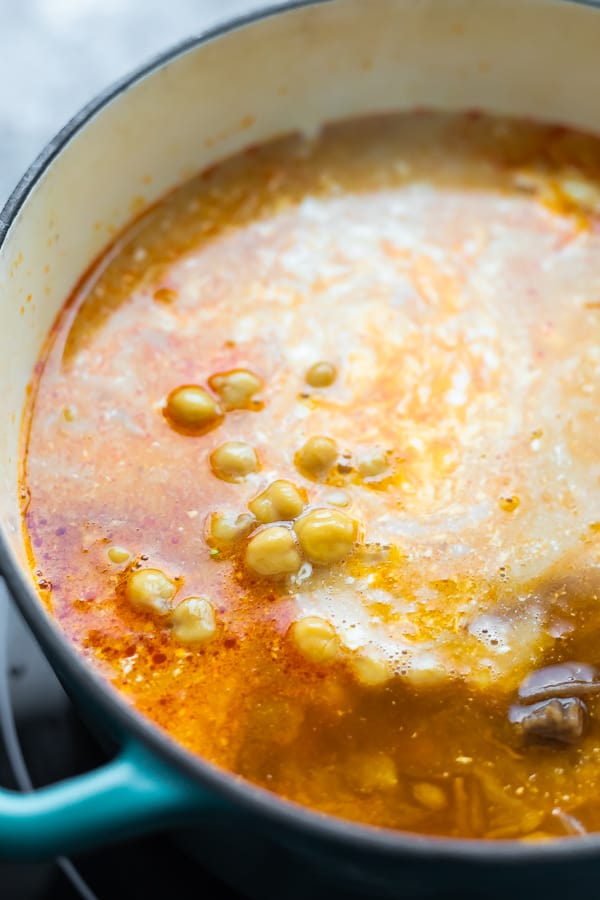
[{"x": 536, "y": 58}]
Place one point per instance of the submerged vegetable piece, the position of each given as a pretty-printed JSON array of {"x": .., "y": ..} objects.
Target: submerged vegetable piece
[
  {"x": 384, "y": 342},
  {"x": 431, "y": 796},
  {"x": 371, "y": 671}
]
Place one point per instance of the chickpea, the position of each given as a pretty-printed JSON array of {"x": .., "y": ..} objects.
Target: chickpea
[
  {"x": 316, "y": 639},
  {"x": 326, "y": 535},
  {"x": 371, "y": 772},
  {"x": 273, "y": 551},
  {"x": 192, "y": 409},
  {"x": 282, "y": 501},
  {"x": 194, "y": 621},
  {"x": 150, "y": 589},
  {"x": 430, "y": 796},
  {"x": 316, "y": 456},
  {"x": 118, "y": 554},
  {"x": 371, "y": 672},
  {"x": 225, "y": 529},
  {"x": 509, "y": 504},
  {"x": 321, "y": 374},
  {"x": 373, "y": 463},
  {"x": 235, "y": 388},
  {"x": 233, "y": 460}
]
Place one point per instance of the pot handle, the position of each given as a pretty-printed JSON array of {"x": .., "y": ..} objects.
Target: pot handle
[{"x": 133, "y": 793}]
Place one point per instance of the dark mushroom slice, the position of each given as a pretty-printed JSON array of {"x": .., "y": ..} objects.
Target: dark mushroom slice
[
  {"x": 560, "y": 720},
  {"x": 569, "y": 679}
]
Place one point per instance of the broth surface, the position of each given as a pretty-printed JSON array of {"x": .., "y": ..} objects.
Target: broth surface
[{"x": 447, "y": 269}]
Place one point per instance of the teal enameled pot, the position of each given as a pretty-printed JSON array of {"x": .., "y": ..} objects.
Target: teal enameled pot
[{"x": 284, "y": 69}]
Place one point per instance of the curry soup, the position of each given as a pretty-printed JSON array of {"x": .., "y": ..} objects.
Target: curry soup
[{"x": 312, "y": 472}]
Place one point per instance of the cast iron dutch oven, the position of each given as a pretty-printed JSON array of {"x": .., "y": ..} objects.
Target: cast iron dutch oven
[{"x": 278, "y": 70}]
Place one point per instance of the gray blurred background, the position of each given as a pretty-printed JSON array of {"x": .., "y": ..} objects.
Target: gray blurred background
[{"x": 55, "y": 55}]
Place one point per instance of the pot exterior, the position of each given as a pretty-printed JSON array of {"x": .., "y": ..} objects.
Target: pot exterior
[
  {"x": 268, "y": 869},
  {"x": 206, "y": 100}
]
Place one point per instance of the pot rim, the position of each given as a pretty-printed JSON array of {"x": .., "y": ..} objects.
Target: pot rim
[{"x": 276, "y": 810}]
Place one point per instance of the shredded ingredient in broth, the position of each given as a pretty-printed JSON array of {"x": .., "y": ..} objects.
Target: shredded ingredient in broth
[{"x": 312, "y": 472}]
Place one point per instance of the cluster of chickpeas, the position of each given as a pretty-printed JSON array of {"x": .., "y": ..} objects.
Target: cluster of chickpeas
[
  {"x": 319, "y": 459},
  {"x": 282, "y": 536},
  {"x": 318, "y": 642},
  {"x": 281, "y": 532},
  {"x": 193, "y": 410},
  {"x": 192, "y": 619},
  {"x": 318, "y": 456}
]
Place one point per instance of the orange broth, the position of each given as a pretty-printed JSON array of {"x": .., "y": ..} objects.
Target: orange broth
[{"x": 448, "y": 270}]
